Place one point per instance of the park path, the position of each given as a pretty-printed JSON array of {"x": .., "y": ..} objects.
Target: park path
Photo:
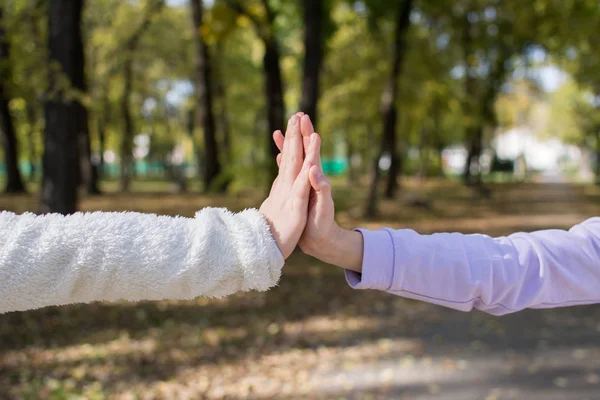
[{"x": 314, "y": 338}]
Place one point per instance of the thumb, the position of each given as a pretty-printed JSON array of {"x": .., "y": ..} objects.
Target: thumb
[
  {"x": 319, "y": 181},
  {"x": 323, "y": 202}
]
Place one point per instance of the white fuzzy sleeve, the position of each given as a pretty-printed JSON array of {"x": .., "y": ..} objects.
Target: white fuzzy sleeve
[{"x": 55, "y": 260}]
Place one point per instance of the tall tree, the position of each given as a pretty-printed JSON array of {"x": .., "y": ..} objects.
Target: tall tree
[
  {"x": 60, "y": 160},
  {"x": 130, "y": 48},
  {"x": 204, "y": 100},
  {"x": 87, "y": 170},
  {"x": 265, "y": 29},
  {"x": 473, "y": 129},
  {"x": 36, "y": 67},
  {"x": 488, "y": 44},
  {"x": 103, "y": 116},
  {"x": 314, "y": 11},
  {"x": 389, "y": 110},
  {"x": 14, "y": 182},
  {"x": 221, "y": 96},
  {"x": 31, "y": 113}
]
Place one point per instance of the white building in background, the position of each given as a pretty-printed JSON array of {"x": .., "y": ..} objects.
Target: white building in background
[
  {"x": 540, "y": 155},
  {"x": 550, "y": 157},
  {"x": 454, "y": 159}
]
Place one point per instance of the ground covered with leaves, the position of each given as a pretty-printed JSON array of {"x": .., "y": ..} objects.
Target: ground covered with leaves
[{"x": 314, "y": 337}]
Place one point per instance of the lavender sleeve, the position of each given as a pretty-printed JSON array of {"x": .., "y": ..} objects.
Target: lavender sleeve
[{"x": 544, "y": 269}]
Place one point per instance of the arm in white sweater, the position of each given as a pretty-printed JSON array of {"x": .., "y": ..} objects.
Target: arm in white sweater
[{"x": 56, "y": 260}]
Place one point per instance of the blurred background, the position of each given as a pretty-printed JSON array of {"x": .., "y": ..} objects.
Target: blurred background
[{"x": 468, "y": 115}]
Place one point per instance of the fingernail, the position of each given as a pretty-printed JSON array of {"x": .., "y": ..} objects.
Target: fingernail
[{"x": 294, "y": 120}]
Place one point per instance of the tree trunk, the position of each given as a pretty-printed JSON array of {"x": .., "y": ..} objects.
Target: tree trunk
[
  {"x": 372, "y": 210},
  {"x": 88, "y": 175},
  {"x": 424, "y": 154},
  {"x": 438, "y": 140},
  {"x": 176, "y": 166},
  {"x": 388, "y": 110},
  {"x": 14, "y": 182},
  {"x": 129, "y": 129},
  {"x": 388, "y": 100},
  {"x": 472, "y": 174},
  {"x": 126, "y": 142},
  {"x": 484, "y": 118},
  {"x": 221, "y": 95},
  {"x": 31, "y": 122},
  {"x": 440, "y": 154},
  {"x": 395, "y": 160},
  {"x": 369, "y": 151},
  {"x": 204, "y": 102},
  {"x": 89, "y": 171},
  {"x": 273, "y": 80},
  {"x": 474, "y": 128},
  {"x": 60, "y": 160},
  {"x": 101, "y": 122},
  {"x": 470, "y": 154},
  {"x": 350, "y": 151},
  {"x": 313, "y": 58},
  {"x": 274, "y": 94},
  {"x": 31, "y": 106}
]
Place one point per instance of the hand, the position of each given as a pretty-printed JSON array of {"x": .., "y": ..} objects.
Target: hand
[
  {"x": 286, "y": 207},
  {"x": 322, "y": 237}
]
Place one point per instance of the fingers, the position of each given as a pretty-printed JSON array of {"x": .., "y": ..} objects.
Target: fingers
[
  {"x": 312, "y": 148},
  {"x": 278, "y": 139},
  {"x": 307, "y": 129},
  {"x": 301, "y": 188},
  {"x": 306, "y": 126},
  {"x": 293, "y": 153},
  {"x": 313, "y": 152}
]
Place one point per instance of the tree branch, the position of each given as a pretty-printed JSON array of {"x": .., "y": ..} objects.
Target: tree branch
[
  {"x": 269, "y": 12},
  {"x": 261, "y": 30},
  {"x": 239, "y": 9},
  {"x": 131, "y": 43},
  {"x": 150, "y": 12}
]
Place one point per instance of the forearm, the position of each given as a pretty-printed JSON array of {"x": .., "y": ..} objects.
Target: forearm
[
  {"x": 497, "y": 275},
  {"x": 55, "y": 260}
]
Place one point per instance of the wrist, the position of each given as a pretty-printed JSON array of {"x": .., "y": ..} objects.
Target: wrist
[
  {"x": 344, "y": 249},
  {"x": 274, "y": 233}
]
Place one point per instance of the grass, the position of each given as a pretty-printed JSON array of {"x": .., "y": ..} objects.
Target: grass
[{"x": 302, "y": 339}]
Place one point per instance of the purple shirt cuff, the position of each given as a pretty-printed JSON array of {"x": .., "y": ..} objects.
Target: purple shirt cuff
[{"x": 378, "y": 262}]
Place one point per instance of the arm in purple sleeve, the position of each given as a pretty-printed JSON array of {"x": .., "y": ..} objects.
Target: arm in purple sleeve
[{"x": 544, "y": 269}]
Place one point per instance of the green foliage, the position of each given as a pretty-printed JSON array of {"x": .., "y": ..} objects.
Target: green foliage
[
  {"x": 434, "y": 106},
  {"x": 574, "y": 118}
]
